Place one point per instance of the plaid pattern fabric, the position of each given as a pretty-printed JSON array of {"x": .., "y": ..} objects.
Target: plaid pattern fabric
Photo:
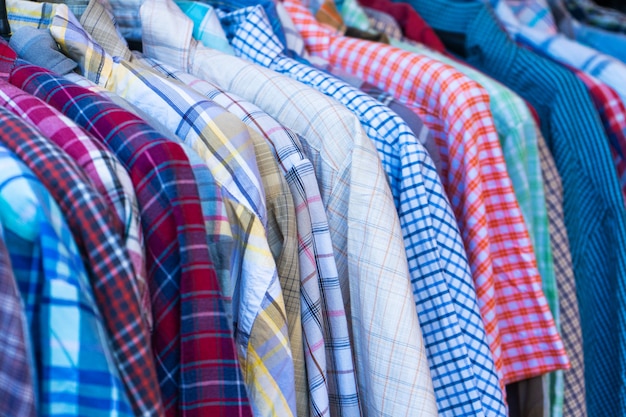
[
  {"x": 574, "y": 378},
  {"x": 111, "y": 272},
  {"x": 589, "y": 12},
  {"x": 206, "y": 28},
  {"x": 283, "y": 244},
  {"x": 520, "y": 328},
  {"x": 328, "y": 350},
  {"x": 561, "y": 49},
  {"x": 196, "y": 364},
  {"x": 353, "y": 193},
  {"x": 330, "y": 132},
  {"x": 103, "y": 169},
  {"x": 260, "y": 328},
  {"x": 592, "y": 200},
  {"x": 442, "y": 328},
  {"x": 516, "y": 130},
  {"x": 17, "y": 387},
  {"x": 75, "y": 372}
]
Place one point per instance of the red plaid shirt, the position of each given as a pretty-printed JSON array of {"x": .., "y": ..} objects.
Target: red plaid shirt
[{"x": 520, "y": 328}]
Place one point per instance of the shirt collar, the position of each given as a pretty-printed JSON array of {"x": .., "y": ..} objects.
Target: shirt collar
[
  {"x": 74, "y": 41},
  {"x": 174, "y": 46},
  {"x": 316, "y": 37},
  {"x": 206, "y": 25},
  {"x": 251, "y": 34}
]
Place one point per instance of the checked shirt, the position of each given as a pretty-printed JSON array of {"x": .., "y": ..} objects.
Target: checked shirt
[
  {"x": 72, "y": 363},
  {"x": 17, "y": 389},
  {"x": 328, "y": 351},
  {"x": 343, "y": 159},
  {"x": 103, "y": 169},
  {"x": 404, "y": 160},
  {"x": 519, "y": 325},
  {"x": 196, "y": 363}
]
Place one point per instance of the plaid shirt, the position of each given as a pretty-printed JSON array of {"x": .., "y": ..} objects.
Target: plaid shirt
[
  {"x": 561, "y": 49},
  {"x": 75, "y": 372},
  {"x": 261, "y": 330},
  {"x": 603, "y": 17},
  {"x": 111, "y": 274},
  {"x": 439, "y": 320},
  {"x": 197, "y": 366},
  {"x": 593, "y": 204},
  {"x": 516, "y": 130},
  {"x": 520, "y": 328},
  {"x": 103, "y": 169},
  {"x": 328, "y": 350},
  {"x": 354, "y": 189},
  {"x": 384, "y": 23},
  {"x": 17, "y": 388},
  {"x": 574, "y": 379}
]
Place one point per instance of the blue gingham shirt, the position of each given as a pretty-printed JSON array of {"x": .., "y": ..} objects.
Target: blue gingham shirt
[
  {"x": 459, "y": 356},
  {"x": 75, "y": 368}
]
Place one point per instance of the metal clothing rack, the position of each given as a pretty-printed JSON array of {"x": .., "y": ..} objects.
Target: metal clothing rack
[{"x": 5, "y": 29}]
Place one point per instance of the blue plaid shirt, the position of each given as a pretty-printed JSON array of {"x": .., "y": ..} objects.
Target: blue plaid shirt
[
  {"x": 459, "y": 356},
  {"x": 16, "y": 360},
  {"x": 75, "y": 368}
]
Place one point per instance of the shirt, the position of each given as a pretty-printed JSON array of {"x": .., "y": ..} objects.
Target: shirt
[
  {"x": 16, "y": 361},
  {"x": 103, "y": 169},
  {"x": 74, "y": 369},
  {"x": 480, "y": 193},
  {"x": 111, "y": 273},
  {"x": 223, "y": 142},
  {"x": 328, "y": 350},
  {"x": 253, "y": 39},
  {"x": 574, "y": 379},
  {"x": 177, "y": 253},
  {"x": 353, "y": 189},
  {"x": 558, "y": 47},
  {"x": 592, "y": 202}
]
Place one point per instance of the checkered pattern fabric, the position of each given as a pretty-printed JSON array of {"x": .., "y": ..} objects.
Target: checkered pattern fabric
[
  {"x": 17, "y": 388},
  {"x": 592, "y": 200},
  {"x": 354, "y": 193},
  {"x": 107, "y": 175},
  {"x": 520, "y": 328},
  {"x": 195, "y": 357},
  {"x": 251, "y": 37},
  {"x": 574, "y": 379},
  {"x": 74, "y": 368}
]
